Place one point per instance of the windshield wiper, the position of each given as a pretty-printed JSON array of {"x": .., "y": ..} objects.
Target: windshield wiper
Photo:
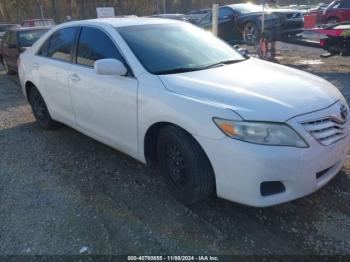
[
  {"x": 222, "y": 63},
  {"x": 176, "y": 71},
  {"x": 191, "y": 69}
]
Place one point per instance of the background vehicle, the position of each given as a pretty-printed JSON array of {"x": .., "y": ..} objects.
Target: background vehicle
[
  {"x": 336, "y": 12},
  {"x": 38, "y": 22},
  {"x": 196, "y": 15},
  {"x": 180, "y": 17},
  {"x": 242, "y": 21},
  {"x": 5, "y": 27},
  {"x": 16, "y": 41},
  {"x": 337, "y": 41}
]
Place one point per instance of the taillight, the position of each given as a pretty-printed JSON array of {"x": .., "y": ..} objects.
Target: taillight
[{"x": 323, "y": 42}]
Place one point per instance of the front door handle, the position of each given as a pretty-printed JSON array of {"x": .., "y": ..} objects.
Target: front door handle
[
  {"x": 74, "y": 78},
  {"x": 36, "y": 65}
]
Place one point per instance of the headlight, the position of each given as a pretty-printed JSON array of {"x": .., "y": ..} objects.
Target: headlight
[{"x": 274, "y": 134}]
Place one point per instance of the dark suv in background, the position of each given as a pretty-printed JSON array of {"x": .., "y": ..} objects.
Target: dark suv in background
[
  {"x": 239, "y": 22},
  {"x": 5, "y": 27}
]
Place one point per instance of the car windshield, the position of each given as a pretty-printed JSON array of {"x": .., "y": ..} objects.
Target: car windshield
[
  {"x": 176, "y": 48},
  {"x": 247, "y": 8},
  {"x": 28, "y": 38}
]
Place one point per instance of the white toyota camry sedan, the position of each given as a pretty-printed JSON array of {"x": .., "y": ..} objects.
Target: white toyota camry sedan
[{"x": 177, "y": 98}]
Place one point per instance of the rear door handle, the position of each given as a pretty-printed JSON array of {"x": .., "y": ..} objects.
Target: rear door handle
[
  {"x": 74, "y": 78},
  {"x": 36, "y": 65}
]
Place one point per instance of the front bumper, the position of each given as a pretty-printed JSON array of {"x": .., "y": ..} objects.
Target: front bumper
[{"x": 241, "y": 167}]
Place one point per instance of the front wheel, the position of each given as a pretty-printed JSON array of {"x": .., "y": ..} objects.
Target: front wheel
[
  {"x": 251, "y": 33},
  {"x": 40, "y": 111},
  {"x": 184, "y": 165}
]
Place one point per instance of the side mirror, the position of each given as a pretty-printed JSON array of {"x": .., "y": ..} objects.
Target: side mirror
[{"x": 110, "y": 67}]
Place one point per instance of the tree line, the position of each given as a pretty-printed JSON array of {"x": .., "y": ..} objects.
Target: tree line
[{"x": 16, "y": 11}]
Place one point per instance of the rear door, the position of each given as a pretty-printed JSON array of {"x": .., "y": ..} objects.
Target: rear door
[
  {"x": 105, "y": 105},
  {"x": 51, "y": 68}
]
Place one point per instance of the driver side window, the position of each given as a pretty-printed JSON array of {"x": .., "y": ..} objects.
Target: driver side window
[{"x": 90, "y": 50}]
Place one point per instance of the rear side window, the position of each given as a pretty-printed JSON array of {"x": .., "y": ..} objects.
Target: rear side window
[
  {"x": 94, "y": 45},
  {"x": 62, "y": 43}
]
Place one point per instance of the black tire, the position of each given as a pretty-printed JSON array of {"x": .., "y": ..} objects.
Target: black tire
[
  {"x": 184, "y": 165},
  {"x": 40, "y": 111},
  {"x": 251, "y": 33}
]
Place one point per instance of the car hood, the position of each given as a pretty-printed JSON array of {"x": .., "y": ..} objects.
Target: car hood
[
  {"x": 286, "y": 11},
  {"x": 256, "y": 89}
]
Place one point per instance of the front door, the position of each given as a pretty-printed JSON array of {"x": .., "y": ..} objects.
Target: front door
[{"x": 105, "y": 106}]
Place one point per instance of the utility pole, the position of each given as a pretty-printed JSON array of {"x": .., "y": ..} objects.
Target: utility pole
[
  {"x": 215, "y": 21},
  {"x": 17, "y": 10},
  {"x": 157, "y": 3},
  {"x": 41, "y": 12},
  {"x": 164, "y": 7}
]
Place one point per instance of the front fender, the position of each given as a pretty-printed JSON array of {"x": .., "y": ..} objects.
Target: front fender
[{"x": 156, "y": 104}]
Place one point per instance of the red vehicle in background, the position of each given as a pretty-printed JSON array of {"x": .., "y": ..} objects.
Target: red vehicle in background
[
  {"x": 337, "y": 12},
  {"x": 38, "y": 22}
]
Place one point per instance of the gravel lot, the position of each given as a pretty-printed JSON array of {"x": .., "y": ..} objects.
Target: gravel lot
[{"x": 64, "y": 193}]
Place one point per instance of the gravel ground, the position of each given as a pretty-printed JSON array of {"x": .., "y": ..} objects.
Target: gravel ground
[{"x": 64, "y": 193}]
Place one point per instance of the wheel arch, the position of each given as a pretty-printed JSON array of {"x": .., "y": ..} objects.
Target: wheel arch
[
  {"x": 28, "y": 86},
  {"x": 150, "y": 142}
]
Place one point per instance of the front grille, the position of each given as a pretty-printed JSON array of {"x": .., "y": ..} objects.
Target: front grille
[
  {"x": 326, "y": 131},
  {"x": 324, "y": 172}
]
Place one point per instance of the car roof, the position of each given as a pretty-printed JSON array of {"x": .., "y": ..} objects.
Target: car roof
[
  {"x": 125, "y": 21},
  {"x": 5, "y": 24},
  {"x": 38, "y": 19},
  {"x": 23, "y": 29}
]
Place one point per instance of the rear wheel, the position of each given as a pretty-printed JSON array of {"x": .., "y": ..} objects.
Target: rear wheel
[
  {"x": 40, "y": 110},
  {"x": 251, "y": 33},
  {"x": 184, "y": 165}
]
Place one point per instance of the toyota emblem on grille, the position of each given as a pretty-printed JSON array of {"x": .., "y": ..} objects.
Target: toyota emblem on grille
[{"x": 344, "y": 112}]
